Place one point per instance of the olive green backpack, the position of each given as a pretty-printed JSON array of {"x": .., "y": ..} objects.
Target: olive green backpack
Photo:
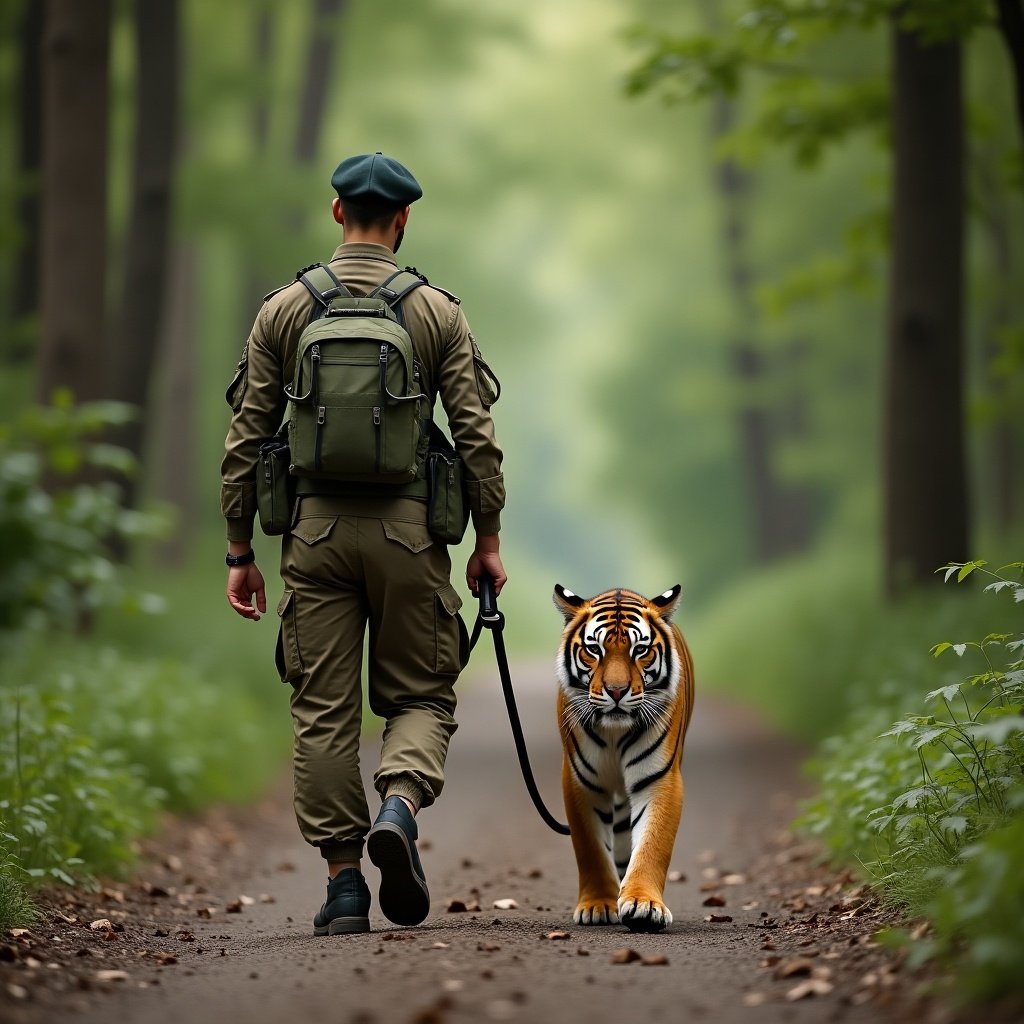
[{"x": 355, "y": 401}]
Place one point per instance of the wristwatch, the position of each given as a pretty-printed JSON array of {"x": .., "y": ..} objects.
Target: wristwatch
[{"x": 247, "y": 559}]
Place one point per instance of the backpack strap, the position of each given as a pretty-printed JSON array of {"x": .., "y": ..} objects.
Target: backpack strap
[
  {"x": 321, "y": 283},
  {"x": 396, "y": 287}
]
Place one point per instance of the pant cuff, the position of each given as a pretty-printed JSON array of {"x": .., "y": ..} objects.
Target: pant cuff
[
  {"x": 402, "y": 785},
  {"x": 345, "y": 850}
]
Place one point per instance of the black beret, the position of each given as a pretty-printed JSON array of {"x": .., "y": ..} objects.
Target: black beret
[{"x": 373, "y": 176}]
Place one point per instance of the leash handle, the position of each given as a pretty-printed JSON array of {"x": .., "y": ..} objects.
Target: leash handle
[
  {"x": 488, "y": 598},
  {"x": 490, "y": 618}
]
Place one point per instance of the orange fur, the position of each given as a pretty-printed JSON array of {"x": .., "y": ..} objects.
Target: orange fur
[{"x": 644, "y": 782}]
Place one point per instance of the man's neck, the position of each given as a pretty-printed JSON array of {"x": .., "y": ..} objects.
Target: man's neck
[{"x": 372, "y": 237}]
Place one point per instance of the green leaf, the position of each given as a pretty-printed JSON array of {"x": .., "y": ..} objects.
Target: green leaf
[
  {"x": 899, "y": 729},
  {"x": 955, "y": 823},
  {"x": 941, "y": 648},
  {"x": 946, "y": 692},
  {"x": 997, "y": 730}
]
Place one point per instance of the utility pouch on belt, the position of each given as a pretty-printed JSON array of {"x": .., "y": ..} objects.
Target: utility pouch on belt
[
  {"x": 275, "y": 486},
  {"x": 447, "y": 508},
  {"x": 355, "y": 412}
]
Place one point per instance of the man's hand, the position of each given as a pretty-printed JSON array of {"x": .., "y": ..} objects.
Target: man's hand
[
  {"x": 485, "y": 559},
  {"x": 244, "y": 583}
]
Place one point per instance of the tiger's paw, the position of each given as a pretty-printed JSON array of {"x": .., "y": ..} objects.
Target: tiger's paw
[
  {"x": 596, "y": 912},
  {"x": 643, "y": 913}
]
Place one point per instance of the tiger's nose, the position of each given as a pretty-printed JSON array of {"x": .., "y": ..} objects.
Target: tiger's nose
[{"x": 616, "y": 692}]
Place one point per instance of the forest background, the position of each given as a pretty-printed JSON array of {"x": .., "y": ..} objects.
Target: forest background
[{"x": 749, "y": 274}]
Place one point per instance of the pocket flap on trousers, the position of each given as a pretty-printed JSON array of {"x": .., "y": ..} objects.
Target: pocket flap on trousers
[
  {"x": 314, "y": 528},
  {"x": 449, "y": 597},
  {"x": 282, "y": 605},
  {"x": 413, "y": 536}
]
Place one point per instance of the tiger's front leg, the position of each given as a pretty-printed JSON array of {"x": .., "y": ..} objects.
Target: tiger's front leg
[
  {"x": 656, "y": 812},
  {"x": 599, "y": 885}
]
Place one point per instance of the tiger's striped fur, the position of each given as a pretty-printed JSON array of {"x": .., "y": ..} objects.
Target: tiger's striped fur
[{"x": 624, "y": 703}]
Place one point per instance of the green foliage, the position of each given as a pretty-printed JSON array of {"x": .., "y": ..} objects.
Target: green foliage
[
  {"x": 53, "y": 541},
  {"x": 933, "y": 807},
  {"x": 827, "y": 646},
  {"x": 92, "y": 748},
  {"x": 16, "y": 907}
]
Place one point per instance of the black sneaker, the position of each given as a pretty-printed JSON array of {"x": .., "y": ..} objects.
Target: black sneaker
[
  {"x": 391, "y": 845},
  {"x": 348, "y": 905}
]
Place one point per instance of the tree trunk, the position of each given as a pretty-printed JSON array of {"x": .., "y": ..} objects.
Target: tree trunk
[
  {"x": 73, "y": 249},
  {"x": 174, "y": 405},
  {"x": 781, "y": 519},
  {"x": 1011, "y": 24},
  {"x": 25, "y": 297},
  {"x": 146, "y": 262},
  {"x": 926, "y": 516},
  {"x": 319, "y": 67}
]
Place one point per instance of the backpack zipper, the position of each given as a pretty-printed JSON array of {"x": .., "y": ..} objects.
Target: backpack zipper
[
  {"x": 321, "y": 415},
  {"x": 321, "y": 412},
  {"x": 377, "y": 438}
]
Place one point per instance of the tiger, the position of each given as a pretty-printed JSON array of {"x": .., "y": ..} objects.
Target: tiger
[{"x": 624, "y": 703}]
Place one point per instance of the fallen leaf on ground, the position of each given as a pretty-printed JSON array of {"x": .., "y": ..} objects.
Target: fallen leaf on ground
[
  {"x": 265, "y": 897},
  {"x": 488, "y": 947},
  {"x": 717, "y": 918},
  {"x": 714, "y": 901},
  {"x": 625, "y": 956},
  {"x": 754, "y": 999},
  {"x": 505, "y": 904},
  {"x": 556, "y": 936},
  {"x": 246, "y": 901},
  {"x": 18, "y": 933},
  {"x": 734, "y": 878},
  {"x": 440, "y": 945},
  {"x": 473, "y": 907},
  {"x": 111, "y": 975},
  {"x": 582, "y": 952},
  {"x": 166, "y": 959},
  {"x": 654, "y": 960},
  {"x": 101, "y": 925},
  {"x": 172, "y": 863},
  {"x": 811, "y": 987},
  {"x": 456, "y": 907},
  {"x": 17, "y": 991},
  {"x": 161, "y": 932},
  {"x": 794, "y": 967},
  {"x": 206, "y": 912},
  {"x": 234, "y": 907},
  {"x": 751, "y": 905},
  {"x": 185, "y": 936},
  {"x": 677, "y": 876}
]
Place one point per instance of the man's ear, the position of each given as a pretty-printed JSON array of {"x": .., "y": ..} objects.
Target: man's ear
[
  {"x": 567, "y": 602},
  {"x": 403, "y": 218},
  {"x": 339, "y": 216},
  {"x": 666, "y": 603}
]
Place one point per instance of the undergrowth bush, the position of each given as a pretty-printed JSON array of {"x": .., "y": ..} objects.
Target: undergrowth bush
[
  {"x": 811, "y": 643},
  {"x": 91, "y": 751},
  {"x": 933, "y": 806},
  {"x": 96, "y": 743}
]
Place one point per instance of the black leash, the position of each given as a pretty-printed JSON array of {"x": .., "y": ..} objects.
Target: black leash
[{"x": 490, "y": 618}]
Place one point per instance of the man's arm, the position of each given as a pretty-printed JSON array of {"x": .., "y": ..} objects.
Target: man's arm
[
  {"x": 257, "y": 403},
  {"x": 472, "y": 428}
]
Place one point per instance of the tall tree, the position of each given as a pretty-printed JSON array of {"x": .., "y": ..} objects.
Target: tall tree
[
  {"x": 73, "y": 250},
  {"x": 147, "y": 251},
  {"x": 320, "y": 53},
  {"x": 25, "y": 298},
  {"x": 780, "y": 514},
  {"x": 926, "y": 516}
]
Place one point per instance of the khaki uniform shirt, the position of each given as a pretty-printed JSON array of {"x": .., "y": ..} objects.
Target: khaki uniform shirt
[{"x": 444, "y": 347}]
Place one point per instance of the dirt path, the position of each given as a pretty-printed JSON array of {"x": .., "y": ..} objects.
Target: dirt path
[{"x": 497, "y": 965}]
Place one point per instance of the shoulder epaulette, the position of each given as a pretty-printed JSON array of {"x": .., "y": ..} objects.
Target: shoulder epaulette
[
  {"x": 448, "y": 294},
  {"x": 444, "y": 291},
  {"x": 271, "y": 294}
]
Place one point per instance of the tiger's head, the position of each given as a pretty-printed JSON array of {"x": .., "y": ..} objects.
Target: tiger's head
[{"x": 618, "y": 663}]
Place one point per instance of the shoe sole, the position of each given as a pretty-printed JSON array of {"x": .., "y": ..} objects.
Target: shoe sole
[
  {"x": 344, "y": 926},
  {"x": 403, "y": 898}
]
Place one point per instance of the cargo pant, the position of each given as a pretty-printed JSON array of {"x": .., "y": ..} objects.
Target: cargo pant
[{"x": 350, "y": 562}]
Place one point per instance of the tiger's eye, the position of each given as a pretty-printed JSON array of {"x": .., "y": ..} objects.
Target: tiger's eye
[{"x": 593, "y": 649}]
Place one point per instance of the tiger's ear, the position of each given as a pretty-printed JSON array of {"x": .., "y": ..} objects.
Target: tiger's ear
[
  {"x": 567, "y": 602},
  {"x": 666, "y": 603}
]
